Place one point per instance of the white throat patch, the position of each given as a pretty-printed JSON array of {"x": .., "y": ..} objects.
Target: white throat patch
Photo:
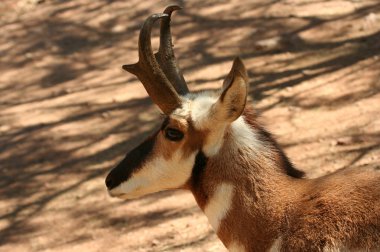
[{"x": 219, "y": 204}]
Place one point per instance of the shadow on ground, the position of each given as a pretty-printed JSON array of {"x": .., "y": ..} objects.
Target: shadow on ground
[{"x": 68, "y": 113}]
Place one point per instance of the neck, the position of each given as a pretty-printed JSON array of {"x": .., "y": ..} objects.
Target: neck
[{"x": 246, "y": 188}]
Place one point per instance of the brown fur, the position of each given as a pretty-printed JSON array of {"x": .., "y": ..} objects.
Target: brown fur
[
  {"x": 193, "y": 139},
  {"x": 309, "y": 215},
  {"x": 270, "y": 198}
]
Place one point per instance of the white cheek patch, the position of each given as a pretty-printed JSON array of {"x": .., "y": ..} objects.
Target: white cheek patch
[
  {"x": 276, "y": 245},
  {"x": 219, "y": 204},
  {"x": 157, "y": 175},
  {"x": 236, "y": 247}
]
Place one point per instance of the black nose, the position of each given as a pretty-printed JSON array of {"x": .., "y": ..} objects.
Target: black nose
[{"x": 110, "y": 182}]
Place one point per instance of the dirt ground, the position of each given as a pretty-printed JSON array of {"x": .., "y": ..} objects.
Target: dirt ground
[{"x": 68, "y": 113}]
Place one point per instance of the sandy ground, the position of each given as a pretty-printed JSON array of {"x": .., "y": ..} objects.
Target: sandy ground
[{"x": 68, "y": 113}]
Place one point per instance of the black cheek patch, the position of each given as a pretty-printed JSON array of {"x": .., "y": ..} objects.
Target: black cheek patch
[
  {"x": 196, "y": 180},
  {"x": 198, "y": 169},
  {"x": 131, "y": 163}
]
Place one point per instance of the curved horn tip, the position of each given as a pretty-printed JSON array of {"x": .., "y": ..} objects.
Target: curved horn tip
[
  {"x": 170, "y": 8},
  {"x": 152, "y": 18}
]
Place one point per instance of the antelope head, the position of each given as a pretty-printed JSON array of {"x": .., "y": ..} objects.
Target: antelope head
[{"x": 194, "y": 127}]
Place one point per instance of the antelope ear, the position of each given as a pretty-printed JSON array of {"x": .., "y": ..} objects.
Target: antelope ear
[{"x": 231, "y": 102}]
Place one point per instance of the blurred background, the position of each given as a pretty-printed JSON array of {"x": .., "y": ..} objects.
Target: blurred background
[{"x": 68, "y": 113}]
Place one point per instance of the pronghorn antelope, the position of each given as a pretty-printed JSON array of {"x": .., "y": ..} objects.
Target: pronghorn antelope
[{"x": 211, "y": 144}]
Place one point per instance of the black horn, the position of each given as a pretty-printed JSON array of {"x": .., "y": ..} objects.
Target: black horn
[
  {"x": 165, "y": 55},
  {"x": 149, "y": 71}
]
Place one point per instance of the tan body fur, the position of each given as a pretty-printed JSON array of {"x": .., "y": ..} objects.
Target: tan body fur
[
  {"x": 337, "y": 211},
  {"x": 211, "y": 144}
]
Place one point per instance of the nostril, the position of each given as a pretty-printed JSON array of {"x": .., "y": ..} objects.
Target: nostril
[{"x": 110, "y": 183}]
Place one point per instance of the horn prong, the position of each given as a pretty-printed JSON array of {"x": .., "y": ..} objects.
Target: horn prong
[
  {"x": 132, "y": 68},
  {"x": 149, "y": 72}
]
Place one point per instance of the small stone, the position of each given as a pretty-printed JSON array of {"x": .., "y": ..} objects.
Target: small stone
[
  {"x": 4, "y": 128},
  {"x": 105, "y": 115},
  {"x": 155, "y": 242},
  {"x": 372, "y": 17},
  {"x": 344, "y": 141},
  {"x": 333, "y": 143},
  {"x": 118, "y": 28},
  {"x": 269, "y": 44},
  {"x": 293, "y": 109}
]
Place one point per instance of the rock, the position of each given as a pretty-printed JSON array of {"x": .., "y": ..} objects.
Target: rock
[{"x": 155, "y": 243}]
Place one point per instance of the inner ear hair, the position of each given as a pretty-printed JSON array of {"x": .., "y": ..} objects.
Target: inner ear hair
[
  {"x": 232, "y": 101},
  {"x": 228, "y": 81},
  {"x": 236, "y": 99},
  {"x": 237, "y": 69}
]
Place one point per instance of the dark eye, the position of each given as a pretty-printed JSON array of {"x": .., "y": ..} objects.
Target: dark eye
[{"x": 173, "y": 134}]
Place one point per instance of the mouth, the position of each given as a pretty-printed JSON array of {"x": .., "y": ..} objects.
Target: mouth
[
  {"x": 124, "y": 196},
  {"x": 114, "y": 195},
  {"x": 131, "y": 189}
]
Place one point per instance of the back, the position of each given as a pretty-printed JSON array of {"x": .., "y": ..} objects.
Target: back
[{"x": 342, "y": 210}]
